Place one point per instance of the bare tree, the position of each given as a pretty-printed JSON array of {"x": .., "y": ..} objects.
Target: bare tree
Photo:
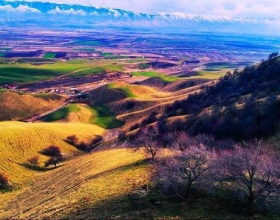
[
  {"x": 179, "y": 173},
  {"x": 147, "y": 137},
  {"x": 253, "y": 171}
]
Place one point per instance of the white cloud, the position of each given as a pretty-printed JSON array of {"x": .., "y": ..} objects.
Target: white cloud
[
  {"x": 232, "y": 8},
  {"x": 71, "y": 11},
  {"x": 19, "y": 9}
]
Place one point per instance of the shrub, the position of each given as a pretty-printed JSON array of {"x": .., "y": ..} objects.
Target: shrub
[
  {"x": 52, "y": 151},
  {"x": 72, "y": 139},
  {"x": 83, "y": 146},
  {"x": 54, "y": 161},
  {"x": 4, "y": 183},
  {"x": 93, "y": 144}
]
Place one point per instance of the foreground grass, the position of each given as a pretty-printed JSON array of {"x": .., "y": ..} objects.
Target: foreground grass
[
  {"x": 80, "y": 184},
  {"x": 108, "y": 184}
]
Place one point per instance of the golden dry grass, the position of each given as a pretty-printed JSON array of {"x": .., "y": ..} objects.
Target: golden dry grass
[
  {"x": 141, "y": 91},
  {"x": 82, "y": 183},
  {"x": 20, "y": 141},
  {"x": 82, "y": 116},
  {"x": 17, "y": 106}
]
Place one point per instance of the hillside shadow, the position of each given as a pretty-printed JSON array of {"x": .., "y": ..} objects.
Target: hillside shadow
[
  {"x": 151, "y": 206},
  {"x": 40, "y": 169}
]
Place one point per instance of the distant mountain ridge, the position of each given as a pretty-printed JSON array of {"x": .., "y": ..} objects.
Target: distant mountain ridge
[
  {"x": 75, "y": 9},
  {"x": 22, "y": 11}
]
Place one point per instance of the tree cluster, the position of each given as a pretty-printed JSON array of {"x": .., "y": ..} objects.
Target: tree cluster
[
  {"x": 55, "y": 155},
  {"x": 249, "y": 175}
]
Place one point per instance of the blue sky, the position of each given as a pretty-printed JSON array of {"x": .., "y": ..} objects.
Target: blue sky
[{"x": 231, "y": 8}]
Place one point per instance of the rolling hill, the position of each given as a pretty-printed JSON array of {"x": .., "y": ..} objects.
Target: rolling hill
[
  {"x": 115, "y": 182},
  {"x": 17, "y": 106},
  {"x": 20, "y": 141},
  {"x": 74, "y": 188}
]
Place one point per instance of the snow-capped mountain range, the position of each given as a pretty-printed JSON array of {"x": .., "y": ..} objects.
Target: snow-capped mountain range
[{"x": 52, "y": 14}]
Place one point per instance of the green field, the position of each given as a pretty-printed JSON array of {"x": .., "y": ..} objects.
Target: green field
[
  {"x": 124, "y": 89},
  {"x": 49, "y": 55},
  {"x": 90, "y": 71},
  {"x": 98, "y": 114},
  {"x": 164, "y": 77},
  {"x": 26, "y": 72},
  {"x": 114, "y": 67},
  {"x": 106, "y": 54},
  {"x": 203, "y": 74},
  {"x": 61, "y": 113},
  {"x": 103, "y": 117}
]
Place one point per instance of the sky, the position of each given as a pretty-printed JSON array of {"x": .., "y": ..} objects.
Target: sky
[{"x": 230, "y": 8}]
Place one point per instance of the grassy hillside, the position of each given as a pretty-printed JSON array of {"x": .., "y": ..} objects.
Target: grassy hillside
[
  {"x": 96, "y": 114},
  {"x": 61, "y": 113},
  {"x": 78, "y": 186},
  {"x": 20, "y": 141},
  {"x": 15, "y": 105},
  {"x": 240, "y": 105},
  {"x": 163, "y": 77},
  {"x": 109, "y": 184},
  {"x": 132, "y": 103}
]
